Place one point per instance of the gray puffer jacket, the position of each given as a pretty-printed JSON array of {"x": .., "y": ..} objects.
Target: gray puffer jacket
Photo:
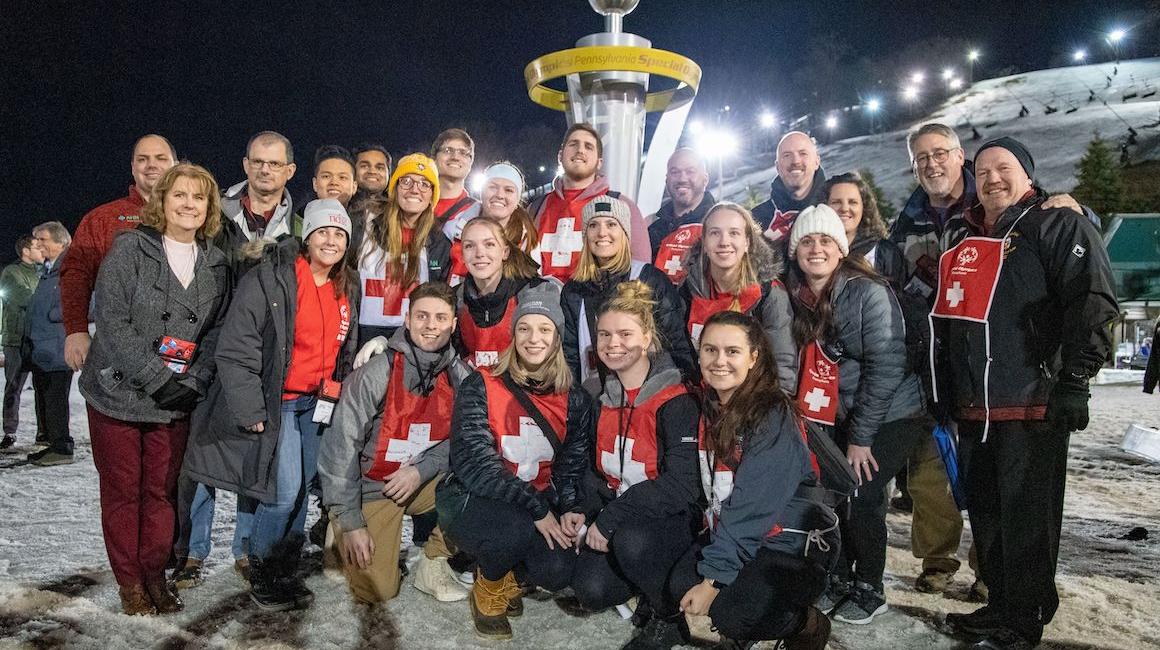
[
  {"x": 253, "y": 357},
  {"x": 139, "y": 301},
  {"x": 349, "y": 446},
  {"x": 869, "y": 341},
  {"x": 773, "y": 311}
]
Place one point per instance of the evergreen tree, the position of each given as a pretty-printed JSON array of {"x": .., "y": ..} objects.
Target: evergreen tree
[
  {"x": 1101, "y": 185},
  {"x": 885, "y": 207}
]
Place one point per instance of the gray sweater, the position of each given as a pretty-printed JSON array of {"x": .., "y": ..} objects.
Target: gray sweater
[{"x": 349, "y": 444}]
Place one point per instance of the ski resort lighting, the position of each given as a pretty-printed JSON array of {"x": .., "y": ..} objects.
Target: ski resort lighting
[
  {"x": 768, "y": 120},
  {"x": 1116, "y": 35},
  {"x": 955, "y": 83},
  {"x": 910, "y": 93},
  {"x": 973, "y": 55},
  {"x": 873, "y": 105},
  {"x": 947, "y": 74},
  {"x": 543, "y": 169},
  {"x": 1079, "y": 55},
  {"x": 478, "y": 180},
  {"x": 696, "y": 127},
  {"x": 717, "y": 144},
  {"x": 831, "y": 122},
  {"x": 917, "y": 78}
]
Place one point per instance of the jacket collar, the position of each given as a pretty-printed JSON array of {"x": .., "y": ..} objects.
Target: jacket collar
[
  {"x": 599, "y": 186},
  {"x": 779, "y": 194},
  {"x": 917, "y": 207},
  {"x": 662, "y": 373},
  {"x": 666, "y": 212}
]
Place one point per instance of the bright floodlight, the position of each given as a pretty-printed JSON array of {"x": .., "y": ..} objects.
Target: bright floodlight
[
  {"x": 1116, "y": 35},
  {"x": 973, "y": 55},
  {"x": 947, "y": 74},
  {"x": 477, "y": 181},
  {"x": 768, "y": 120},
  {"x": 543, "y": 169},
  {"x": 910, "y": 93},
  {"x": 717, "y": 144},
  {"x": 917, "y": 78},
  {"x": 831, "y": 122},
  {"x": 696, "y": 127},
  {"x": 956, "y": 83},
  {"x": 1079, "y": 55},
  {"x": 873, "y": 105}
]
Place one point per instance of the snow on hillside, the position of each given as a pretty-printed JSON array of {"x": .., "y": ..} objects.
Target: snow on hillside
[
  {"x": 56, "y": 589},
  {"x": 1057, "y": 141}
]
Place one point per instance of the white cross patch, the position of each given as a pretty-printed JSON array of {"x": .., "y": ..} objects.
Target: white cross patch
[
  {"x": 817, "y": 399},
  {"x": 955, "y": 294},
  {"x": 484, "y": 358},
  {"x": 673, "y": 265},
  {"x": 527, "y": 449},
  {"x": 418, "y": 440},
  {"x": 562, "y": 243},
  {"x": 634, "y": 470}
]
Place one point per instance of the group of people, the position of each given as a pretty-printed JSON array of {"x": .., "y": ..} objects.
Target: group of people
[{"x": 568, "y": 394}]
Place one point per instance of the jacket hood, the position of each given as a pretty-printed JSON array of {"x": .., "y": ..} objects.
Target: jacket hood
[
  {"x": 599, "y": 186},
  {"x": 779, "y": 194},
  {"x": 662, "y": 373},
  {"x": 766, "y": 262},
  {"x": 422, "y": 367}
]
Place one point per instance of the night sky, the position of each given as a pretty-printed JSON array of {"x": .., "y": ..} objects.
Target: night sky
[{"x": 82, "y": 80}]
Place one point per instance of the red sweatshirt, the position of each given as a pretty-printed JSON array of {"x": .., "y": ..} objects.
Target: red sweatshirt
[
  {"x": 321, "y": 324},
  {"x": 90, "y": 244}
]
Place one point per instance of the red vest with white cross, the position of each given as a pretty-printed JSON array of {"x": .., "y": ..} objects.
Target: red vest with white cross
[
  {"x": 411, "y": 423},
  {"x": 702, "y": 307},
  {"x": 817, "y": 395},
  {"x": 384, "y": 299},
  {"x": 483, "y": 344},
  {"x": 561, "y": 236},
  {"x": 626, "y": 440},
  {"x": 716, "y": 479},
  {"x": 522, "y": 446},
  {"x": 673, "y": 248}
]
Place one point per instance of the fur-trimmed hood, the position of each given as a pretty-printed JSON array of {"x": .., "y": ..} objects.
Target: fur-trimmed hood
[{"x": 766, "y": 262}]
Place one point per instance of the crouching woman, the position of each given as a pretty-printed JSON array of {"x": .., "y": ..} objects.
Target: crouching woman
[
  {"x": 771, "y": 536},
  {"x": 521, "y": 438}
]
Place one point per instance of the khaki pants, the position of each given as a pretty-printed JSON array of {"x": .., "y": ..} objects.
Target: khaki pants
[
  {"x": 937, "y": 524},
  {"x": 381, "y": 580}
]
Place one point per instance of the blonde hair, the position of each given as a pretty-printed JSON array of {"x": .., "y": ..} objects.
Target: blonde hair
[
  {"x": 589, "y": 269},
  {"x": 153, "y": 214},
  {"x": 553, "y": 376},
  {"x": 748, "y": 273},
  {"x": 635, "y": 298},
  {"x": 518, "y": 264},
  {"x": 387, "y": 234}
]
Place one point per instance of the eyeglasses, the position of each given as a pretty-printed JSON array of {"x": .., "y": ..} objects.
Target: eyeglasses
[
  {"x": 407, "y": 182},
  {"x": 274, "y": 165},
  {"x": 939, "y": 156},
  {"x": 456, "y": 151}
]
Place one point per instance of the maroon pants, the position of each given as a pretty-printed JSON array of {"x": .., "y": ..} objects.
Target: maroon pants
[{"x": 138, "y": 463}]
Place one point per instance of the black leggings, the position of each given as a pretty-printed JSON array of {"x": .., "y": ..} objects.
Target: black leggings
[
  {"x": 642, "y": 553},
  {"x": 769, "y": 597},
  {"x": 503, "y": 537}
]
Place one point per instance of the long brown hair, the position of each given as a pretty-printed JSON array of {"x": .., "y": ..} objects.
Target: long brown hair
[
  {"x": 518, "y": 264},
  {"x": 759, "y": 394},
  {"x": 386, "y": 231},
  {"x": 872, "y": 224},
  {"x": 816, "y": 321}
]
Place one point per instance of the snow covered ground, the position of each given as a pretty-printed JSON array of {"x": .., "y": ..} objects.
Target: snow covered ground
[
  {"x": 1057, "y": 140},
  {"x": 56, "y": 588}
]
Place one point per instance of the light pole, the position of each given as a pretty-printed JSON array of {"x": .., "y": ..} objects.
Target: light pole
[{"x": 1079, "y": 55}]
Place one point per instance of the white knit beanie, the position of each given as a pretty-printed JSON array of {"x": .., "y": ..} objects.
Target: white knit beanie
[{"x": 818, "y": 219}]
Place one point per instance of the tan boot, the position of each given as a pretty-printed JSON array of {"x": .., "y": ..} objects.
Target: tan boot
[
  {"x": 515, "y": 595},
  {"x": 488, "y": 608},
  {"x": 135, "y": 602},
  {"x": 164, "y": 595}
]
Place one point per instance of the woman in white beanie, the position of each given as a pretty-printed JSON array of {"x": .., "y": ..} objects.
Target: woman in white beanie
[
  {"x": 285, "y": 345},
  {"x": 855, "y": 383}
]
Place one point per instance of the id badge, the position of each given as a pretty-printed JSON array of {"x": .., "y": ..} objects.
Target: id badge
[
  {"x": 328, "y": 392},
  {"x": 176, "y": 353}
]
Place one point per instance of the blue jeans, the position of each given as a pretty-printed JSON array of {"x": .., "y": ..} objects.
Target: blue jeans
[
  {"x": 296, "y": 467},
  {"x": 201, "y": 524}
]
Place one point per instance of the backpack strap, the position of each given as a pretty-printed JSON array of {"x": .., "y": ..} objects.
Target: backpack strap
[{"x": 534, "y": 413}]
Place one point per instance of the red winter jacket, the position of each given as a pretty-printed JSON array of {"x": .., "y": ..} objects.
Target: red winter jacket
[{"x": 91, "y": 242}]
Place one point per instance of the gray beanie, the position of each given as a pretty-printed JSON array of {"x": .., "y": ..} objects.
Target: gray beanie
[
  {"x": 607, "y": 206},
  {"x": 321, "y": 213},
  {"x": 542, "y": 299},
  {"x": 818, "y": 219}
]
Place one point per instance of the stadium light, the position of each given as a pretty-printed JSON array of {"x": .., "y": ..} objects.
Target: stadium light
[
  {"x": 543, "y": 169},
  {"x": 831, "y": 122},
  {"x": 947, "y": 74},
  {"x": 696, "y": 127},
  {"x": 917, "y": 78},
  {"x": 477, "y": 181},
  {"x": 768, "y": 120},
  {"x": 973, "y": 55},
  {"x": 1079, "y": 55},
  {"x": 717, "y": 144},
  {"x": 1116, "y": 35},
  {"x": 910, "y": 93},
  {"x": 955, "y": 83},
  {"x": 873, "y": 105}
]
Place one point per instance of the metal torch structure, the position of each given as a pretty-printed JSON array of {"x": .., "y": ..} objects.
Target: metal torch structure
[{"x": 607, "y": 80}]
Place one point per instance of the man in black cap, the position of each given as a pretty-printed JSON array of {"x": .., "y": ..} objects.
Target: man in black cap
[{"x": 1024, "y": 300}]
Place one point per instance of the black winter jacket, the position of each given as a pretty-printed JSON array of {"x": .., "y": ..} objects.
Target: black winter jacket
[
  {"x": 666, "y": 221},
  {"x": 253, "y": 356},
  {"x": 669, "y": 315},
  {"x": 781, "y": 201},
  {"x": 477, "y": 465}
]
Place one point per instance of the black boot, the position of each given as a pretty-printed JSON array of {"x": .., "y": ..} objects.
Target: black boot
[
  {"x": 659, "y": 633},
  {"x": 981, "y": 622},
  {"x": 289, "y": 551},
  {"x": 268, "y": 585},
  {"x": 813, "y": 634}
]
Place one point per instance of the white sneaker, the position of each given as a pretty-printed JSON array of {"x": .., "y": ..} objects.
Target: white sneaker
[{"x": 435, "y": 578}]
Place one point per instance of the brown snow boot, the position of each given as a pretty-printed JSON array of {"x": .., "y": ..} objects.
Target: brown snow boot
[
  {"x": 814, "y": 633},
  {"x": 515, "y": 595},
  {"x": 164, "y": 595},
  {"x": 135, "y": 602},
  {"x": 489, "y": 602}
]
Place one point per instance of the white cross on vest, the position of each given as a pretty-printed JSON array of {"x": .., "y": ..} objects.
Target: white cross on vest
[
  {"x": 955, "y": 294},
  {"x": 633, "y": 471},
  {"x": 418, "y": 440},
  {"x": 527, "y": 449},
  {"x": 484, "y": 358},
  {"x": 673, "y": 265},
  {"x": 722, "y": 481},
  {"x": 817, "y": 399},
  {"x": 562, "y": 243}
]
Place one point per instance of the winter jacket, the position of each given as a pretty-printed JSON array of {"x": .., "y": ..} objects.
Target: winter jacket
[
  {"x": 918, "y": 231},
  {"x": 776, "y": 215},
  {"x": 1048, "y": 319},
  {"x": 349, "y": 447},
  {"x": 885, "y": 256},
  {"x": 1152, "y": 370},
  {"x": 252, "y": 356},
  {"x": 672, "y": 438},
  {"x": 477, "y": 313},
  {"x": 773, "y": 310},
  {"x": 868, "y": 342},
  {"x": 666, "y": 221},
  {"x": 45, "y": 322},
  {"x": 774, "y": 488},
  {"x": 140, "y": 301},
  {"x": 235, "y": 232},
  {"x": 91, "y": 241},
  {"x": 17, "y": 284},
  {"x": 668, "y": 313},
  {"x": 478, "y": 467}
]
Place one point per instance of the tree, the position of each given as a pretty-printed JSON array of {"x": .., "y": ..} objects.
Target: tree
[
  {"x": 1101, "y": 184},
  {"x": 885, "y": 207}
]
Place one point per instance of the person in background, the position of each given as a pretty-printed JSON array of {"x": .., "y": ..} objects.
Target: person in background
[
  {"x": 51, "y": 374},
  {"x": 454, "y": 152},
  {"x": 676, "y": 226},
  {"x": 17, "y": 284},
  {"x": 798, "y": 184}
]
